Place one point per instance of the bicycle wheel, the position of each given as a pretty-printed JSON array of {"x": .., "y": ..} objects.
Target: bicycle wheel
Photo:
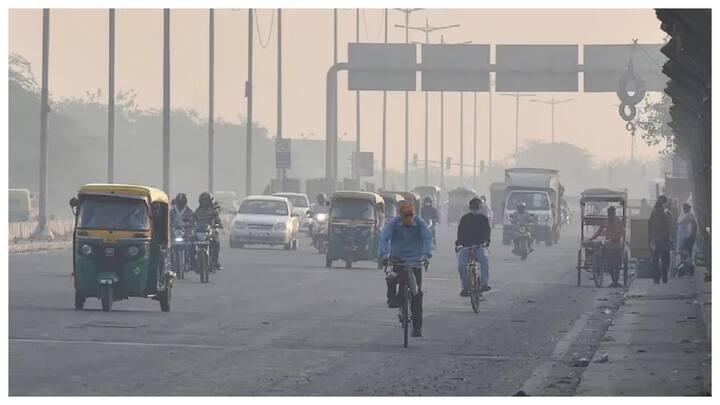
[
  {"x": 598, "y": 270},
  {"x": 474, "y": 287},
  {"x": 405, "y": 312}
]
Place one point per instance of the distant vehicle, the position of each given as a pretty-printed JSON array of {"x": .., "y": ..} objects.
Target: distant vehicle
[
  {"x": 540, "y": 190},
  {"x": 429, "y": 191},
  {"x": 227, "y": 200},
  {"x": 458, "y": 203},
  {"x": 264, "y": 220},
  {"x": 392, "y": 203},
  {"x": 301, "y": 206},
  {"x": 19, "y": 205},
  {"x": 497, "y": 202}
]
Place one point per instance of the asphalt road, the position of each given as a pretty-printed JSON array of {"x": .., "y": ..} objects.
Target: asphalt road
[{"x": 279, "y": 323}]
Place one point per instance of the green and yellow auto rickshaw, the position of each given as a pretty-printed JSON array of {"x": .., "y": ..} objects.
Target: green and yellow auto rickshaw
[
  {"x": 429, "y": 191},
  {"x": 356, "y": 220},
  {"x": 120, "y": 244}
]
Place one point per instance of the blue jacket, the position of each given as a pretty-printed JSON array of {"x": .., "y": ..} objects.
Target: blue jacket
[{"x": 409, "y": 243}]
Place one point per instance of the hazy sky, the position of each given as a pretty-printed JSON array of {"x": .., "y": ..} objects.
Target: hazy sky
[{"x": 78, "y": 63}]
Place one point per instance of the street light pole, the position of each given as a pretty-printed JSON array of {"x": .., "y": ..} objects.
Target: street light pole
[
  {"x": 552, "y": 103},
  {"x": 166, "y": 100},
  {"x": 462, "y": 136},
  {"x": 43, "y": 231},
  {"x": 248, "y": 120},
  {"x": 357, "y": 101},
  {"x": 282, "y": 173},
  {"x": 384, "y": 115},
  {"x": 517, "y": 114},
  {"x": 427, "y": 29},
  {"x": 211, "y": 101},
  {"x": 111, "y": 96},
  {"x": 475, "y": 140},
  {"x": 407, "y": 12}
]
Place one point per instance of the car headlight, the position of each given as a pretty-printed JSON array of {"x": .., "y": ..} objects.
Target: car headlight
[
  {"x": 86, "y": 250},
  {"x": 240, "y": 225},
  {"x": 280, "y": 226},
  {"x": 321, "y": 217},
  {"x": 133, "y": 251}
]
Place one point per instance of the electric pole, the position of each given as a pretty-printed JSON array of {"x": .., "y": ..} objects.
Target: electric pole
[
  {"x": 357, "y": 101},
  {"x": 335, "y": 59},
  {"x": 42, "y": 231},
  {"x": 407, "y": 12},
  {"x": 552, "y": 103},
  {"x": 111, "y": 96},
  {"x": 490, "y": 131},
  {"x": 211, "y": 101},
  {"x": 248, "y": 120},
  {"x": 166, "y": 100},
  {"x": 475, "y": 140},
  {"x": 427, "y": 29},
  {"x": 462, "y": 162},
  {"x": 517, "y": 114}
]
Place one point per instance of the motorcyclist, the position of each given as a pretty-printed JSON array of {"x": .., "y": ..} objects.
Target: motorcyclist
[
  {"x": 430, "y": 214},
  {"x": 522, "y": 218},
  {"x": 406, "y": 237},
  {"x": 474, "y": 229},
  {"x": 321, "y": 207},
  {"x": 207, "y": 213},
  {"x": 180, "y": 211},
  {"x": 485, "y": 209}
]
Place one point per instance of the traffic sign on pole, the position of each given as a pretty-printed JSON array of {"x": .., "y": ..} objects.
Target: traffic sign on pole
[
  {"x": 390, "y": 67},
  {"x": 551, "y": 68},
  {"x": 605, "y": 64},
  {"x": 455, "y": 67},
  {"x": 283, "y": 157}
]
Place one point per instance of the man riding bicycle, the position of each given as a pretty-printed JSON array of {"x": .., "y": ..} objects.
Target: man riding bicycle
[
  {"x": 407, "y": 238},
  {"x": 473, "y": 230}
]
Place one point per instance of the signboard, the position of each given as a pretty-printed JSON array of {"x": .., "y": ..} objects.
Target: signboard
[
  {"x": 455, "y": 67},
  {"x": 604, "y": 64},
  {"x": 364, "y": 163},
  {"x": 382, "y": 66},
  {"x": 283, "y": 158},
  {"x": 522, "y": 68}
]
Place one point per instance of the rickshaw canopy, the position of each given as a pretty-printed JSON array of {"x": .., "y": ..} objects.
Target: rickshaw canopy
[
  {"x": 152, "y": 195},
  {"x": 603, "y": 194},
  {"x": 360, "y": 195},
  {"x": 392, "y": 196}
]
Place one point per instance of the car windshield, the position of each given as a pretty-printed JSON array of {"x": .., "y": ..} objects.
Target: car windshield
[
  {"x": 352, "y": 209},
  {"x": 114, "y": 214},
  {"x": 263, "y": 207},
  {"x": 532, "y": 200},
  {"x": 296, "y": 200}
]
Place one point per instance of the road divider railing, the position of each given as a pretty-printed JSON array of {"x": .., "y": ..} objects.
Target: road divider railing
[{"x": 23, "y": 231}]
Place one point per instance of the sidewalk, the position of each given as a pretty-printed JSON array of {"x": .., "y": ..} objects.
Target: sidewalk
[
  {"x": 24, "y": 247},
  {"x": 656, "y": 344}
]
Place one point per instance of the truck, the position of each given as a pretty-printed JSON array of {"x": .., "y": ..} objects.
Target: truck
[
  {"x": 497, "y": 202},
  {"x": 540, "y": 190}
]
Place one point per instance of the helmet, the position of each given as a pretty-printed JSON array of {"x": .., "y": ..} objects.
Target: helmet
[
  {"x": 321, "y": 198},
  {"x": 181, "y": 200},
  {"x": 521, "y": 207},
  {"x": 205, "y": 199},
  {"x": 427, "y": 201}
]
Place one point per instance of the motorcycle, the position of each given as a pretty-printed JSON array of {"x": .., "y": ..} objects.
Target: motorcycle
[
  {"x": 318, "y": 229},
  {"x": 431, "y": 227},
  {"x": 179, "y": 253},
  {"x": 200, "y": 243},
  {"x": 521, "y": 242}
]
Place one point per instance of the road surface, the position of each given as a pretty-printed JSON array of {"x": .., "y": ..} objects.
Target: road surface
[{"x": 279, "y": 323}]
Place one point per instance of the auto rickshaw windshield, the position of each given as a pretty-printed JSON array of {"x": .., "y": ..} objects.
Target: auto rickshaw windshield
[
  {"x": 263, "y": 207},
  {"x": 352, "y": 209},
  {"x": 113, "y": 213},
  {"x": 533, "y": 201},
  {"x": 390, "y": 209}
]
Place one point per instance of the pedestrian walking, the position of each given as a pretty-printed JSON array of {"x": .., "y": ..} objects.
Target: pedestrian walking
[{"x": 660, "y": 234}]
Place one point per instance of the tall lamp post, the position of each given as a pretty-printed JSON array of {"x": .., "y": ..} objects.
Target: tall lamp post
[
  {"x": 552, "y": 103},
  {"x": 517, "y": 114}
]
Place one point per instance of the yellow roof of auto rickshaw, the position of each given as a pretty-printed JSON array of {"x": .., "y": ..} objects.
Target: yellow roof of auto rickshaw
[
  {"x": 362, "y": 195},
  {"x": 152, "y": 194},
  {"x": 603, "y": 194}
]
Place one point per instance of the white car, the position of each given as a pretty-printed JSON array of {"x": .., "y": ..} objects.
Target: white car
[
  {"x": 264, "y": 220},
  {"x": 301, "y": 206}
]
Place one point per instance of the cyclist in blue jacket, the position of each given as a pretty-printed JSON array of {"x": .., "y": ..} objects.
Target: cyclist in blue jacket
[{"x": 408, "y": 238}]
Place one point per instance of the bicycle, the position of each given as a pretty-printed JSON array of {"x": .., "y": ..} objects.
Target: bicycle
[
  {"x": 473, "y": 268},
  {"x": 407, "y": 287}
]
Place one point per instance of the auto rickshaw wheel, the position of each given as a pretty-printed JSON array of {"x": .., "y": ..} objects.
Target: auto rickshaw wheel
[
  {"x": 328, "y": 260},
  {"x": 164, "y": 298},
  {"x": 579, "y": 271},
  {"x": 348, "y": 264},
  {"x": 79, "y": 301},
  {"x": 286, "y": 246},
  {"x": 294, "y": 244},
  {"x": 106, "y": 297}
]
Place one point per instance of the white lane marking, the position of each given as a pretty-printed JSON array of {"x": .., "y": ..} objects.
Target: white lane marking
[{"x": 115, "y": 343}]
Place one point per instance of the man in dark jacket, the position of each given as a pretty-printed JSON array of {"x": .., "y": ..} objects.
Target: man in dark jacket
[
  {"x": 474, "y": 229},
  {"x": 660, "y": 232}
]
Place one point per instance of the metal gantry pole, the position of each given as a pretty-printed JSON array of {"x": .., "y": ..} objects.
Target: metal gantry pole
[
  {"x": 335, "y": 140},
  {"x": 462, "y": 136},
  {"x": 282, "y": 173},
  {"x": 407, "y": 115},
  {"x": 490, "y": 135},
  {"x": 211, "y": 101},
  {"x": 166, "y": 100},
  {"x": 442, "y": 140},
  {"x": 248, "y": 120},
  {"x": 111, "y": 97},
  {"x": 43, "y": 231}
]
